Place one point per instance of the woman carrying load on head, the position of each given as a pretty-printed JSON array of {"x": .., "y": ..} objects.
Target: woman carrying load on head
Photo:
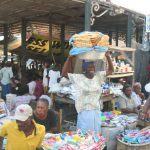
[{"x": 88, "y": 93}]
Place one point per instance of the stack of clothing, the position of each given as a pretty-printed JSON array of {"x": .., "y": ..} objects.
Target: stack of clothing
[{"x": 80, "y": 140}]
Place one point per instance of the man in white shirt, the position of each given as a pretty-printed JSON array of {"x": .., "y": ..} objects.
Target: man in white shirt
[
  {"x": 54, "y": 75},
  {"x": 6, "y": 76},
  {"x": 45, "y": 76}
]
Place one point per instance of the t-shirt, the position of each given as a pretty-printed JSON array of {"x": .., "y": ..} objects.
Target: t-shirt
[
  {"x": 54, "y": 75},
  {"x": 17, "y": 139},
  {"x": 88, "y": 91},
  {"x": 6, "y": 74},
  {"x": 125, "y": 102},
  {"x": 45, "y": 79},
  {"x": 137, "y": 99},
  {"x": 32, "y": 86},
  {"x": 49, "y": 122}
]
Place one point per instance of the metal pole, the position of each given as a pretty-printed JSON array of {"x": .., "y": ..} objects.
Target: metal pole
[
  {"x": 87, "y": 23},
  {"x": 62, "y": 44},
  {"x": 129, "y": 30},
  {"x": 23, "y": 37},
  {"x": 110, "y": 37},
  {"x": 23, "y": 50},
  {"x": 5, "y": 41},
  {"x": 50, "y": 38},
  {"x": 117, "y": 35}
]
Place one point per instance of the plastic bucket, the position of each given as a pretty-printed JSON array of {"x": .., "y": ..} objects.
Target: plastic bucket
[{"x": 92, "y": 55}]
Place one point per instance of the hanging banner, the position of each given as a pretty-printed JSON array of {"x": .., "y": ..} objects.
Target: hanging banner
[
  {"x": 42, "y": 46},
  {"x": 148, "y": 23}
]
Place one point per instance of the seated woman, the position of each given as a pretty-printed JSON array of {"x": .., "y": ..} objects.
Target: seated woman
[
  {"x": 137, "y": 95},
  {"x": 126, "y": 103},
  {"x": 45, "y": 116}
]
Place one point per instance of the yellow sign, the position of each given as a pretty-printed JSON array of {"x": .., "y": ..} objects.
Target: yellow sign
[{"x": 42, "y": 46}]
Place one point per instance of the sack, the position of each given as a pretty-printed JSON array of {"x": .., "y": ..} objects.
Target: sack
[{"x": 38, "y": 88}]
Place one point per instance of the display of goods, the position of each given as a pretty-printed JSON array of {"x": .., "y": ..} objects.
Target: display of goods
[
  {"x": 86, "y": 39},
  {"x": 79, "y": 140},
  {"x": 135, "y": 136},
  {"x": 89, "y": 39}
]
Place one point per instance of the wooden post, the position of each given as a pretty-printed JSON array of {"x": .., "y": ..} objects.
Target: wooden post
[
  {"x": 5, "y": 42},
  {"x": 62, "y": 44},
  {"x": 23, "y": 50},
  {"x": 87, "y": 23},
  {"x": 117, "y": 35},
  {"x": 50, "y": 54},
  {"x": 110, "y": 37},
  {"x": 129, "y": 30}
]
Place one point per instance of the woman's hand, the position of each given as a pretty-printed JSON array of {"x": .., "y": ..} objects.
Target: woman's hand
[{"x": 107, "y": 54}]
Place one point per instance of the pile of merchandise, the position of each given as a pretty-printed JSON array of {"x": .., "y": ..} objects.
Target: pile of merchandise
[
  {"x": 109, "y": 115},
  {"x": 135, "y": 136},
  {"x": 88, "y": 41},
  {"x": 80, "y": 140},
  {"x": 115, "y": 119}
]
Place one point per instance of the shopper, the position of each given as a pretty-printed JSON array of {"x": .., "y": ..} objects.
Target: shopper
[
  {"x": 24, "y": 133},
  {"x": 54, "y": 76},
  {"x": 45, "y": 76},
  {"x": 6, "y": 76},
  {"x": 45, "y": 116},
  {"x": 88, "y": 92}
]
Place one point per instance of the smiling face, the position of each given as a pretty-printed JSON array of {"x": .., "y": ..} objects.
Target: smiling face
[{"x": 90, "y": 71}]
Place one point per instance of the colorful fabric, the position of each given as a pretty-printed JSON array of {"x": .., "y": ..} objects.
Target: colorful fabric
[{"x": 135, "y": 136}]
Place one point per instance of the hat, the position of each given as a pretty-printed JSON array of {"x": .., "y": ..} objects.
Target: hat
[
  {"x": 147, "y": 87},
  {"x": 23, "y": 112}
]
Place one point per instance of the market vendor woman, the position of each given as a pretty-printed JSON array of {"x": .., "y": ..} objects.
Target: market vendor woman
[{"x": 88, "y": 92}]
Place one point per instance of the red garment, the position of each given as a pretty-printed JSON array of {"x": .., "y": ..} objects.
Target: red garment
[{"x": 38, "y": 88}]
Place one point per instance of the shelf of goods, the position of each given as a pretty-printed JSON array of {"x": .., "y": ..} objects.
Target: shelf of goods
[{"x": 123, "y": 69}]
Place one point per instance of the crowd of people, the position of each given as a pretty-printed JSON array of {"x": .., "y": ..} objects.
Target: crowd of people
[{"x": 31, "y": 105}]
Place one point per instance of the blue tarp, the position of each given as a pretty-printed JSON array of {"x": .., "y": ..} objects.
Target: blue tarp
[{"x": 76, "y": 50}]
